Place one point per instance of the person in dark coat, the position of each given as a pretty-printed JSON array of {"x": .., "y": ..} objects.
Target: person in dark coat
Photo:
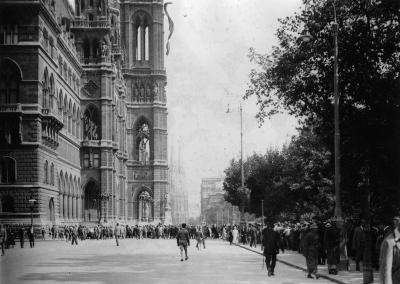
[
  {"x": 271, "y": 244},
  {"x": 358, "y": 243},
  {"x": 332, "y": 247},
  {"x": 31, "y": 236},
  {"x": 21, "y": 235},
  {"x": 183, "y": 241},
  {"x": 311, "y": 246}
]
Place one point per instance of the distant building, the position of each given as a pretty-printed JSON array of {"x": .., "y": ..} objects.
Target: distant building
[
  {"x": 214, "y": 208},
  {"x": 211, "y": 190}
]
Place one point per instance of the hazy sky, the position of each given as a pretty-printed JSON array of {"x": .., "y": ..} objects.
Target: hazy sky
[
  {"x": 208, "y": 60},
  {"x": 208, "y": 69}
]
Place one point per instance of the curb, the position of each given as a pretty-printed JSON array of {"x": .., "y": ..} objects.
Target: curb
[{"x": 295, "y": 266}]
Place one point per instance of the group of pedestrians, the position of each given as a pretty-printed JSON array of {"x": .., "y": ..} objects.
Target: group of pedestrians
[{"x": 7, "y": 237}]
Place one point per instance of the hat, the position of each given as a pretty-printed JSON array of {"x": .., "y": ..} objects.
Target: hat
[
  {"x": 313, "y": 226},
  {"x": 396, "y": 218},
  {"x": 328, "y": 225}
]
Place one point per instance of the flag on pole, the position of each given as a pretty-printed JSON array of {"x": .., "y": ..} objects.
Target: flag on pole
[{"x": 171, "y": 25}]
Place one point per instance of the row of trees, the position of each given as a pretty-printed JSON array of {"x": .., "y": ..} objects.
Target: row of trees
[{"x": 297, "y": 78}]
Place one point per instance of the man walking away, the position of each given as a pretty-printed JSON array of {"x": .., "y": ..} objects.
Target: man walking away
[
  {"x": 310, "y": 246},
  {"x": 271, "y": 244},
  {"x": 21, "y": 234},
  {"x": 183, "y": 241},
  {"x": 117, "y": 233},
  {"x": 31, "y": 236},
  {"x": 74, "y": 235}
]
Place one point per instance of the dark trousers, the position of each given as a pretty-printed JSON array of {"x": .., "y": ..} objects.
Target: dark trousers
[
  {"x": 22, "y": 242},
  {"x": 270, "y": 261},
  {"x": 74, "y": 240},
  {"x": 32, "y": 242}
]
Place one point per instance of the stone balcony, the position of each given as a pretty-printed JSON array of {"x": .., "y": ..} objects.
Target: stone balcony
[
  {"x": 10, "y": 108},
  {"x": 85, "y": 24}
]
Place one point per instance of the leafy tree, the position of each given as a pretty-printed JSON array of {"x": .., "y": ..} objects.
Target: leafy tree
[
  {"x": 298, "y": 77},
  {"x": 293, "y": 181}
]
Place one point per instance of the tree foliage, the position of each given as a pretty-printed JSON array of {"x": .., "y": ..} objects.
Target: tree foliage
[
  {"x": 297, "y": 77},
  {"x": 293, "y": 181}
]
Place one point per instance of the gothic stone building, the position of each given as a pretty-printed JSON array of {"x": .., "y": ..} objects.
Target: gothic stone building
[{"x": 83, "y": 118}]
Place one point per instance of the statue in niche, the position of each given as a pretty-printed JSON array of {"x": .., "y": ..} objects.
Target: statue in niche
[
  {"x": 90, "y": 128},
  {"x": 104, "y": 49},
  {"x": 141, "y": 97},
  {"x": 155, "y": 91},
  {"x": 143, "y": 151}
]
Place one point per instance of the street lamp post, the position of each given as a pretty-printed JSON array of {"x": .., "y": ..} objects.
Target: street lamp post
[{"x": 306, "y": 37}]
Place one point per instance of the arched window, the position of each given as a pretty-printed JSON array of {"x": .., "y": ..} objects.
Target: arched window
[
  {"x": 8, "y": 170},
  {"x": 7, "y": 204},
  {"x": 146, "y": 43},
  {"x": 60, "y": 102},
  {"x": 143, "y": 143},
  {"x": 142, "y": 37},
  {"x": 46, "y": 172},
  {"x": 91, "y": 124},
  {"x": 52, "y": 174},
  {"x": 139, "y": 43},
  {"x": 52, "y": 92},
  {"x": 45, "y": 89},
  {"x": 10, "y": 78}
]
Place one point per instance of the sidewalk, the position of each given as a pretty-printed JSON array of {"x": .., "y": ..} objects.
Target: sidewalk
[{"x": 296, "y": 260}]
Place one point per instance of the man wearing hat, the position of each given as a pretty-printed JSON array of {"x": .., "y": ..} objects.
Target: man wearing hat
[
  {"x": 271, "y": 244},
  {"x": 311, "y": 245}
]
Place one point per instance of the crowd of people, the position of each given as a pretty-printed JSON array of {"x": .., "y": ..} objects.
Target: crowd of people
[{"x": 321, "y": 242}]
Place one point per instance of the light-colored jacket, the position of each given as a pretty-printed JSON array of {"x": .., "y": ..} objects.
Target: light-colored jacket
[{"x": 386, "y": 259}]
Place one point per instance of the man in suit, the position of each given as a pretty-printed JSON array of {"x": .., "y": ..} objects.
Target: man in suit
[
  {"x": 31, "y": 236},
  {"x": 183, "y": 241},
  {"x": 21, "y": 234},
  {"x": 270, "y": 244},
  {"x": 117, "y": 233}
]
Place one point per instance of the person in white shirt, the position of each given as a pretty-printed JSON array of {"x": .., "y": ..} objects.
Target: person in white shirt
[{"x": 390, "y": 256}]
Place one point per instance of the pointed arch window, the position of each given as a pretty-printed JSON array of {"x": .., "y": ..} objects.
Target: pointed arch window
[
  {"x": 7, "y": 170},
  {"x": 10, "y": 78},
  {"x": 46, "y": 172},
  {"x": 52, "y": 174},
  {"x": 142, "y": 37}
]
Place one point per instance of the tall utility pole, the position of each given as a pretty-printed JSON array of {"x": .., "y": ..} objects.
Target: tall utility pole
[
  {"x": 338, "y": 207},
  {"x": 241, "y": 147}
]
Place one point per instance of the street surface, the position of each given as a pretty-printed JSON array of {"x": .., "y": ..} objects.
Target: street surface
[{"x": 139, "y": 261}]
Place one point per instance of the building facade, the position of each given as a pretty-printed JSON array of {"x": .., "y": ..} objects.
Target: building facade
[
  {"x": 83, "y": 117},
  {"x": 214, "y": 208}
]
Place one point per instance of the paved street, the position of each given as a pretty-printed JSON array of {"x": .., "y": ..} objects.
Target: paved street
[{"x": 139, "y": 261}]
